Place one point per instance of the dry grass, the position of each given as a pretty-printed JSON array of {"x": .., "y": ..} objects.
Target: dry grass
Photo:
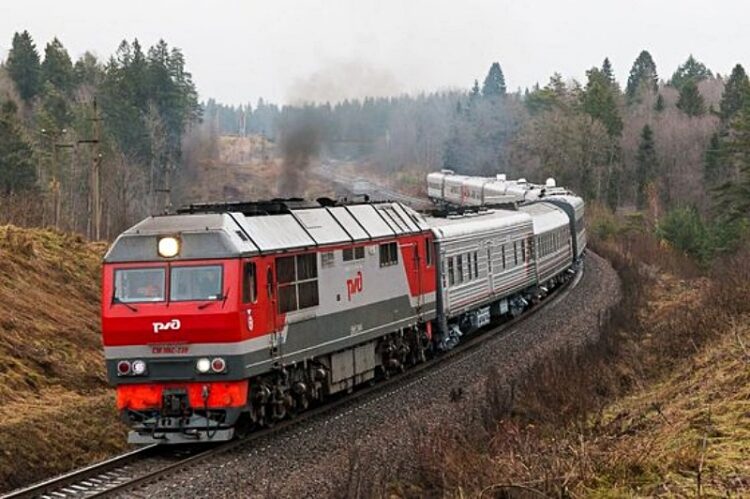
[{"x": 56, "y": 410}]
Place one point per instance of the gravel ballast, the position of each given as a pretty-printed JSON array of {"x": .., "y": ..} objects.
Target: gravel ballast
[{"x": 376, "y": 436}]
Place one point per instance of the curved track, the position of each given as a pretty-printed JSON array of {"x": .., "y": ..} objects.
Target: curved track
[{"x": 147, "y": 465}]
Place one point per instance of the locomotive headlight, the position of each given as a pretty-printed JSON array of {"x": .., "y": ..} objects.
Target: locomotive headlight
[
  {"x": 203, "y": 365},
  {"x": 139, "y": 367},
  {"x": 169, "y": 247}
]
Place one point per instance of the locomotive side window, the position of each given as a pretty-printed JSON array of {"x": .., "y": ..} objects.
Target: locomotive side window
[
  {"x": 298, "y": 282},
  {"x": 249, "y": 283},
  {"x": 139, "y": 285},
  {"x": 428, "y": 251},
  {"x": 357, "y": 253},
  {"x": 388, "y": 254},
  {"x": 327, "y": 260}
]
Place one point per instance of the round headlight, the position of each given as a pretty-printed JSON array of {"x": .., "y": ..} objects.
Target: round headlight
[
  {"x": 123, "y": 367},
  {"x": 218, "y": 365},
  {"x": 169, "y": 247},
  {"x": 203, "y": 365},
  {"x": 139, "y": 367}
]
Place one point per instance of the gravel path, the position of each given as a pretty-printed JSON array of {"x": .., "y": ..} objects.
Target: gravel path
[{"x": 377, "y": 436}]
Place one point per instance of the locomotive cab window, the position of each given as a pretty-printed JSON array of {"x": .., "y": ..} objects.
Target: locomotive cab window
[
  {"x": 140, "y": 285},
  {"x": 201, "y": 282},
  {"x": 388, "y": 254},
  {"x": 298, "y": 282},
  {"x": 249, "y": 283}
]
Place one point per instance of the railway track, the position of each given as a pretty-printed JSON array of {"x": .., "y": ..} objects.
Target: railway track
[{"x": 150, "y": 464}]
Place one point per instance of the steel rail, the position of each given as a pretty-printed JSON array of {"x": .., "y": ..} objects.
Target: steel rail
[{"x": 75, "y": 477}]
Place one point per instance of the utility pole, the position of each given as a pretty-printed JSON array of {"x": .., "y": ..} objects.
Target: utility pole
[
  {"x": 57, "y": 182},
  {"x": 95, "y": 179}
]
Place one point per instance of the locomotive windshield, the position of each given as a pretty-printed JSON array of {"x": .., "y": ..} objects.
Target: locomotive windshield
[
  {"x": 139, "y": 285},
  {"x": 195, "y": 283}
]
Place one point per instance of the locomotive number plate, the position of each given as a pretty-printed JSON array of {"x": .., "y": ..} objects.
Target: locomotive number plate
[{"x": 170, "y": 349}]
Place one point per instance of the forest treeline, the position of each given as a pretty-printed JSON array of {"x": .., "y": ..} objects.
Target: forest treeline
[
  {"x": 675, "y": 149},
  {"x": 72, "y": 133}
]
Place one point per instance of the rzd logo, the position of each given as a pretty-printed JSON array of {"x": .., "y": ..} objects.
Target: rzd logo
[
  {"x": 354, "y": 285},
  {"x": 174, "y": 325}
]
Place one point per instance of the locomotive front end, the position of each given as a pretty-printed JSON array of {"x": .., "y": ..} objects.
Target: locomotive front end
[{"x": 173, "y": 329}]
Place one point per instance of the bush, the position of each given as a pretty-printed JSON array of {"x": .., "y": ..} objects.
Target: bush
[{"x": 684, "y": 229}]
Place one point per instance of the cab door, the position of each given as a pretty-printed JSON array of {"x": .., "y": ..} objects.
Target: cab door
[
  {"x": 249, "y": 306},
  {"x": 275, "y": 319}
]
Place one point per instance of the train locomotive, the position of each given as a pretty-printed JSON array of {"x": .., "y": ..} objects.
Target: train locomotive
[{"x": 228, "y": 315}]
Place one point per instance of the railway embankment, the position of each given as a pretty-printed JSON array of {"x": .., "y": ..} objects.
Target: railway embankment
[
  {"x": 658, "y": 405},
  {"x": 56, "y": 412}
]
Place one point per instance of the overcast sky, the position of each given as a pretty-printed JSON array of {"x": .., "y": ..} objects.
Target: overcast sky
[{"x": 327, "y": 49}]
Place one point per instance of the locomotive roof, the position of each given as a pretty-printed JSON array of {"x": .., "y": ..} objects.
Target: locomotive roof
[{"x": 223, "y": 231}]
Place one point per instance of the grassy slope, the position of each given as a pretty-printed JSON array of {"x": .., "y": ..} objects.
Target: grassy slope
[
  {"x": 660, "y": 406},
  {"x": 56, "y": 411},
  {"x": 688, "y": 430}
]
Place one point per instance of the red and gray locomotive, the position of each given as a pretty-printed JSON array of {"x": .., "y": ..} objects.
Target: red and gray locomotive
[{"x": 232, "y": 313}]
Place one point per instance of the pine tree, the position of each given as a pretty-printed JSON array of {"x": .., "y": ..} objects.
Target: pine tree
[
  {"x": 23, "y": 65},
  {"x": 87, "y": 70},
  {"x": 646, "y": 166},
  {"x": 609, "y": 74},
  {"x": 690, "y": 70},
  {"x": 712, "y": 165},
  {"x": 659, "y": 105},
  {"x": 691, "y": 101},
  {"x": 734, "y": 92},
  {"x": 494, "y": 83},
  {"x": 643, "y": 77},
  {"x": 57, "y": 67},
  {"x": 733, "y": 196},
  {"x": 600, "y": 102},
  {"x": 17, "y": 171},
  {"x": 475, "y": 90}
]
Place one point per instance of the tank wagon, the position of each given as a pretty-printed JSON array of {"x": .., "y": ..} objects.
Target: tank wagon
[{"x": 232, "y": 313}]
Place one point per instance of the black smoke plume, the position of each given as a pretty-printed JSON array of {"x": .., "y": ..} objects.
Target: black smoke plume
[{"x": 300, "y": 144}]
